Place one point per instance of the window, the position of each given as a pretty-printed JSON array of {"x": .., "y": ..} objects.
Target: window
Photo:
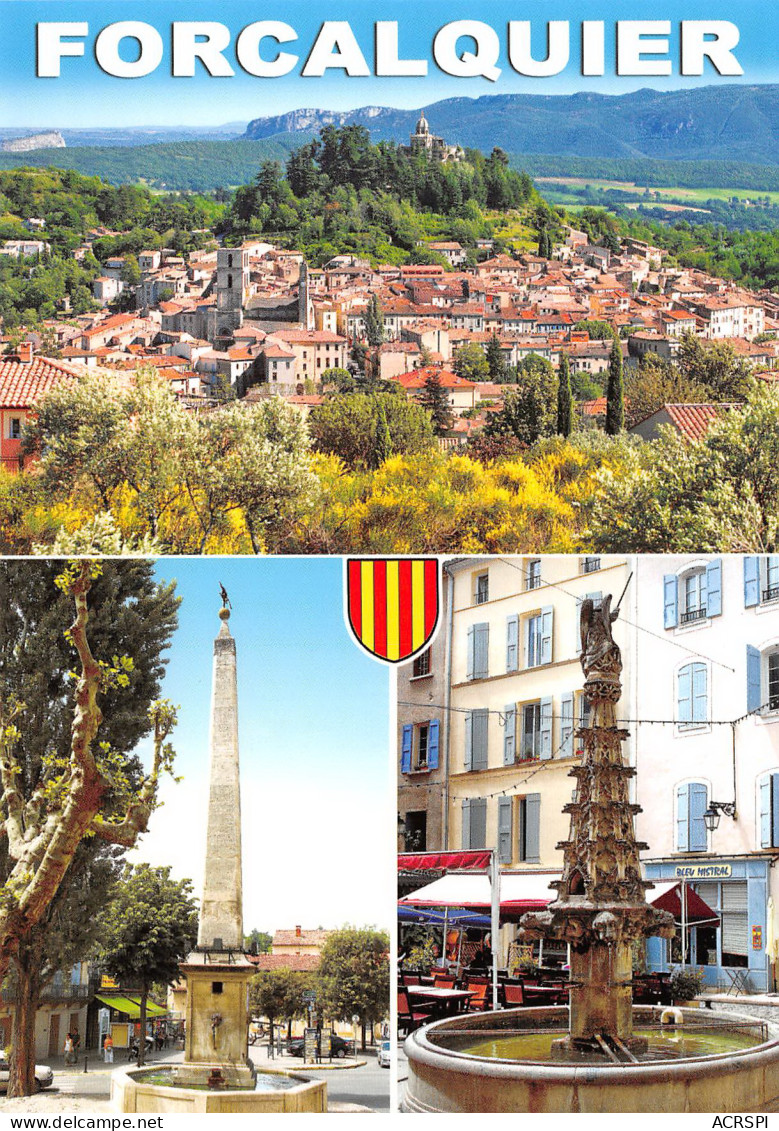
[
  {"x": 478, "y": 651},
  {"x": 763, "y": 680},
  {"x": 566, "y": 726},
  {"x": 474, "y": 833},
  {"x": 692, "y": 595},
  {"x": 692, "y": 699},
  {"x": 415, "y": 833},
  {"x": 761, "y": 579},
  {"x": 768, "y": 811},
  {"x": 538, "y": 638},
  {"x": 229, "y": 282},
  {"x": 536, "y": 731},
  {"x": 591, "y": 564},
  {"x": 481, "y": 592},
  {"x": 421, "y": 664},
  {"x": 528, "y": 828},
  {"x": 15, "y": 428},
  {"x": 533, "y": 574},
  {"x": 476, "y": 736},
  {"x": 691, "y": 804},
  {"x": 419, "y": 747}
]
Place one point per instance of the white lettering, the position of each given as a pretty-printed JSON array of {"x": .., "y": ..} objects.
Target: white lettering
[
  {"x": 335, "y": 47},
  {"x": 387, "y": 51},
  {"x": 635, "y": 39},
  {"x": 208, "y": 49},
  {"x": 696, "y": 48},
  {"x": 558, "y": 48},
  {"x": 247, "y": 49},
  {"x": 471, "y": 64},
  {"x": 593, "y": 49},
  {"x": 51, "y": 49},
  {"x": 149, "y": 54}
]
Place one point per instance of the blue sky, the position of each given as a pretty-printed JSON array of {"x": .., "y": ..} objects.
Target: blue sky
[
  {"x": 83, "y": 96},
  {"x": 317, "y": 801}
]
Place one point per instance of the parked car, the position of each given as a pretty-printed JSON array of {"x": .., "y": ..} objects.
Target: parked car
[
  {"x": 340, "y": 1048},
  {"x": 385, "y": 1054},
  {"x": 44, "y": 1076}
]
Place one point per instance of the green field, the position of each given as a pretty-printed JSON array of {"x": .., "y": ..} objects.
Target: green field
[{"x": 647, "y": 194}]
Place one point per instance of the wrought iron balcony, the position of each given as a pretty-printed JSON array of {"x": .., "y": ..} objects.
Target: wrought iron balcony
[
  {"x": 591, "y": 565},
  {"x": 693, "y": 614},
  {"x": 771, "y": 593}
]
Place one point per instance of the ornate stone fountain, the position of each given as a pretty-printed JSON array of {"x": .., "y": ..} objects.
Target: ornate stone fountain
[
  {"x": 601, "y": 909},
  {"x": 600, "y": 1054},
  {"x": 217, "y": 1074}
]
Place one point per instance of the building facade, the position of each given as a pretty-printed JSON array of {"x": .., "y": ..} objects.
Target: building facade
[{"x": 707, "y": 695}]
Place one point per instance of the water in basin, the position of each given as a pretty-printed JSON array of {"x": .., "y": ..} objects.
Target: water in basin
[
  {"x": 265, "y": 1081},
  {"x": 669, "y": 1044}
]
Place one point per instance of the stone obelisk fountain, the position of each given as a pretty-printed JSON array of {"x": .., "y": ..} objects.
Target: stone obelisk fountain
[
  {"x": 217, "y": 970},
  {"x": 601, "y": 908}
]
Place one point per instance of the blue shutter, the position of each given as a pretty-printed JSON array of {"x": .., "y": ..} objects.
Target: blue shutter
[
  {"x": 509, "y": 735},
  {"x": 774, "y": 810},
  {"x": 684, "y": 694},
  {"x": 566, "y": 722},
  {"x": 479, "y": 822},
  {"x": 432, "y": 744},
  {"x": 504, "y": 830},
  {"x": 471, "y": 652},
  {"x": 547, "y": 628},
  {"x": 481, "y": 638},
  {"x": 670, "y": 601},
  {"x": 479, "y": 748},
  {"x": 698, "y": 803},
  {"x": 754, "y": 698},
  {"x": 469, "y": 740},
  {"x": 751, "y": 581},
  {"x": 405, "y": 750},
  {"x": 546, "y": 728},
  {"x": 714, "y": 588},
  {"x": 700, "y": 711},
  {"x": 466, "y": 833},
  {"x": 682, "y": 818},
  {"x": 765, "y": 812},
  {"x": 512, "y": 639},
  {"x": 532, "y": 828}
]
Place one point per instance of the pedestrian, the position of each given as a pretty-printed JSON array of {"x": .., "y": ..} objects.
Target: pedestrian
[
  {"x": 76, "y": 1044},
  {"x": 108, "y": 1049},
  {"x": 69, "y": 1058}
]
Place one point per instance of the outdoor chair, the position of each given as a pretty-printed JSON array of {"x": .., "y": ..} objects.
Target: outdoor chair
[
  {"x": 444, "y": 982},
  {"x": 513, "y": 994},
  {"x": 409, "y": 1018},
  {"x": 410, "y": 979},
  {"x": 478, "y": 1002}
]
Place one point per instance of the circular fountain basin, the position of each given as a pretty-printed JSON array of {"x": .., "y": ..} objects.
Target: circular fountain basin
[
  {"x": 503, "y": 1062},
  {"x": 155, "y": 1090}
]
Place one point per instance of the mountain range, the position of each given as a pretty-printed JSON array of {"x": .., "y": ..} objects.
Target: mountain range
[{"x": 732, "y": 122}]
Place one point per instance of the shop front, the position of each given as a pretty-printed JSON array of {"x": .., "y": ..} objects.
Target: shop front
[{"x": 730, "y": 950}]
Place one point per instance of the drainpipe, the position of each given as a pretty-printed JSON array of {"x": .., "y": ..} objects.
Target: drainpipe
[{"x": 447, "y": 699}]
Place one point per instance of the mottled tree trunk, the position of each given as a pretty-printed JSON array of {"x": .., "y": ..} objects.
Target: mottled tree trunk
[
  {"x": 22, "y": 1067},
  {"x": 142, "y": 1040}
]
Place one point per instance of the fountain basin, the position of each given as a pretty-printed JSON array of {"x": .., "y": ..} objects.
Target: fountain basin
[
  {"x": 141, "y": 1090},
  {"x": 445, "y": 1074}
]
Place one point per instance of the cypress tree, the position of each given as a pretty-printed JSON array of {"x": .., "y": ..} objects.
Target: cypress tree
[
  {"x": 383, "y": 444},
  {"x": 433, "y": 398},
  {"x": 564, "y": 397},
  {"x": 495, "y": 360},
  {"x": 615, "y": 394},
  {"x": 374, "y": 322}
]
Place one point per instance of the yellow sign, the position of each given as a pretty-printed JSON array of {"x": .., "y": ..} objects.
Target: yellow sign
[{"x": 108, "y": 983}]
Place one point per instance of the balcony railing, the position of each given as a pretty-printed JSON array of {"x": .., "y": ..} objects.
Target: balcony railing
[
  {"x": 771, "y": 593},
  {"x": 693, "y": 614},
  {"x": 64, "y": 991},
  {"x": 591, "y": 565}
]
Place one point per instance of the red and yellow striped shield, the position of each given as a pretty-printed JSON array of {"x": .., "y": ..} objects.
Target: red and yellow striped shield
[{"x": 392, "y": 605}]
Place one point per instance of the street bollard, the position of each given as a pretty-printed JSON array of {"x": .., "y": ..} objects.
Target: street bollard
[{"x": 86, "y": 1058}]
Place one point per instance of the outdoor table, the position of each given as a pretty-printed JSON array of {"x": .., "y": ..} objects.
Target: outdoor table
[
  {"x": 444, "y": 1001},
  {"x": 738, "y": 981},
  {"x": 545, "y": 995}
]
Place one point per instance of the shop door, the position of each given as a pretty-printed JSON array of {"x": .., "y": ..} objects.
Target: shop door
[{"x": 54, "y": 1034}]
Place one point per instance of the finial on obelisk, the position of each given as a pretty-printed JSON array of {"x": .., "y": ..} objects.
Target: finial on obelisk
[{"x": 224, "y": 612}]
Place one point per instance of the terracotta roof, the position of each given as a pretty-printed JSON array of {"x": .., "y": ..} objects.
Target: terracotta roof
[
  {"x": 417, "y": 377},
  {"x": 303, "y": 962},
  {"x": 305, "y": 938},
  {"x": 22, "y": 385},
  {"x": 694, "y": 420},
  {"x": 308, "y": 336}
]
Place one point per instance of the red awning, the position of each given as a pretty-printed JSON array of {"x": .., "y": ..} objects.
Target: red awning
[
  {"x": 668, "y": 897},
  {"x": 430, "y": 861}
]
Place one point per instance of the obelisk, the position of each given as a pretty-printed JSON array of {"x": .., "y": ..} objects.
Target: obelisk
[
  {"x": 221, "y": 913},
  {"x": 217, "y": 970}
]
